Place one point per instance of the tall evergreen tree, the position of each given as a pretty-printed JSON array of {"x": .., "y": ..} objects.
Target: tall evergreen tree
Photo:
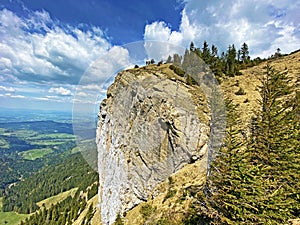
[
  {"x": 222, "y": 200},
  {"x": 244, "y": 53},
  {"x": 275, "y": 149},
  {"x": 258, "y": 183},
  {"x": 205, "y": 52},
  {"x": 192, "y": 47},
  {"x": 214, "y": 51},
  {"x": 231, "y": 65}
]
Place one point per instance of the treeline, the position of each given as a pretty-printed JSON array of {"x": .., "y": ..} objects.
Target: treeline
[
  {"x": 64, "y": 212},
  {"x": 255, "y": 179},
  {"x": 50, "y": 181},
  {"x": 227, "y": 63}
]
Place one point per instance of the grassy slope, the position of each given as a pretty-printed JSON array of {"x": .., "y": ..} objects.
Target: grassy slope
[
  {"x": 96, "y": 218},
  {"x": 57, "y": 198},
  {"x": 13, "y": 218},
  {"x": 249, "y": 81},
  {"x": 10, "y": 218}
]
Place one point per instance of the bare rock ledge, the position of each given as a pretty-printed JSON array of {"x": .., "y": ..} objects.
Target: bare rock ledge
[{"x": 150, "y": 125}]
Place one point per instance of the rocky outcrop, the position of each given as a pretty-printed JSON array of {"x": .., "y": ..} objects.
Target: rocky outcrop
[{"x": 150, "y": 125}]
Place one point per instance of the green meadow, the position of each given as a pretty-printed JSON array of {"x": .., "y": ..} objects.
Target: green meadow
[
  {"x": 36, "y": 153},
  {"x": 11, "y": 218}
]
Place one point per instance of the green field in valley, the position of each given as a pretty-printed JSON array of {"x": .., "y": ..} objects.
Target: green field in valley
[{"x": 36, "y": 153}]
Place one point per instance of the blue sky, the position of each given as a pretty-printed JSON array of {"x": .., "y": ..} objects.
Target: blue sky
[{"x": 46, "y": 47}]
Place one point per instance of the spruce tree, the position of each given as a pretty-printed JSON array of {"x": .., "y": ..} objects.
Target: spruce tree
[
  {"x": 244, "y": 53},
  {"x": 205, "y": 52},
  {"x": 223, "y": 201},
  {"x": 257, "y": 183},
  {"x": 275, "y": 150}
]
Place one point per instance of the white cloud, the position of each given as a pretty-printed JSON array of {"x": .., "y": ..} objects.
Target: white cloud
[
  {"x": 36, "y": 48},
  {"x": 60, "y": 91},
  {"x": 7, "y": 89},
  {"x": 263, "y": 25},
  {"x": 10, "y": 95},
  {"x": 17, "y": 96},
  {"x": 105, "y": 67}
]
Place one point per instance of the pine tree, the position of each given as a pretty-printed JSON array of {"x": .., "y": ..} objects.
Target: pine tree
[
  {"x": 205, "y": 52},
  {"x": 275, "y": 150},
  {"x": 257, "y": 183},
  {"x": 214, "y": 51},
  {"x": 192, "y": 47},
  {"x": 244, "y": 53},
  {"x": 222, "y": 201},
  {"x": 169, "y": 60},
  {"x": 176, "y": 59},
  {"x": 231, "y": 68}
]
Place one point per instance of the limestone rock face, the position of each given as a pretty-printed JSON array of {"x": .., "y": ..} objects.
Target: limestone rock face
[{"x": 149, "y": 127}]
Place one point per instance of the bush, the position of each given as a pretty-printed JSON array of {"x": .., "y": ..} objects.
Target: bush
[
  {"x": 240, "y": 92},
  {"x": 190, "y": 80},
  {"x": 171, "y": 193},
  {"x": 147, "y": 210},
  {"x": 177, "y": 70},
  {"x": 118, "y": 220}
]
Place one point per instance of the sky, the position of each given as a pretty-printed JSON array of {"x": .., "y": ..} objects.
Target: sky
[{"x": 54, "y": 54}]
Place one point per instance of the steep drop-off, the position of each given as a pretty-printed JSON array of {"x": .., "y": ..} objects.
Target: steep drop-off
[{"x": 151, "y": 125}]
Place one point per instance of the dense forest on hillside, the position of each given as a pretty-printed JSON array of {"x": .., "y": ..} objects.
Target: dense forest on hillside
[
  {"x": 26, "y": 147},
  {"x": 52, "y": 180},
  {"x": 66, "y": 211}
]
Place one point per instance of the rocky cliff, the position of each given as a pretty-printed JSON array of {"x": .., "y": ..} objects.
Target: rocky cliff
[{"x": 151, "y": 125}]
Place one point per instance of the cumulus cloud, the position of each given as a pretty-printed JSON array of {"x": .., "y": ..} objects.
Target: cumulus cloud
[
  {"x": 38, "y": 49},
  {"x": 95, "y": 81},
  {"x": 263, "y": 25},
  {"x": 60, "y": 91},
  {"x": 169, "y": 42},
  {"x": 106, "y": 66}
]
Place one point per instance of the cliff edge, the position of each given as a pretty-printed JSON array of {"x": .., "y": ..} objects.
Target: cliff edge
[{"x": 151, "y": 125}]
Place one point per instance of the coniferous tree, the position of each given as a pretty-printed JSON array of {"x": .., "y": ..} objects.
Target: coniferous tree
[
  {"x": 244, "y": 53},
  {"x": 275, "y": 150},
  {"x": 192, "y": 47},
  {"x": 257, "y": 183},
  {"x": 214, "y": 51},
  {"x": 169, "y": 60},
  {"x": 205, "y": 52},
  {"x": 231, "y": 65},
  {"x": 222, "y": 199}
]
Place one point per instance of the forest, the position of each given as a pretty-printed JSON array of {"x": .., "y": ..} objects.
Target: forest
[
  {"x": 26, "y": 147},
  {"x": 50, "y": 181}
]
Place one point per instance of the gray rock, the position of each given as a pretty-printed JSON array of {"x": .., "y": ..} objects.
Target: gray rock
[{"x": 148, "y": 128}]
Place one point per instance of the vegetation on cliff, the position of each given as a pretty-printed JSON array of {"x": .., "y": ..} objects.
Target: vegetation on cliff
[{"x": 256, "y": 179}]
